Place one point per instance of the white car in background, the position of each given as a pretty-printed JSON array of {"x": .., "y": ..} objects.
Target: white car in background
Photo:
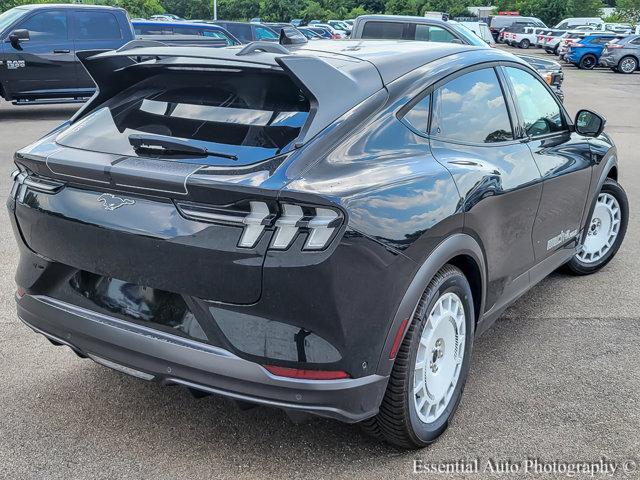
[
  {"x": 334, "y": 31},
  {"x": 525, "y": 38},
  {"x": 551, "y": 41},
  {"x": 574, "y": 22},
  {"x": 481, "y": 29}
]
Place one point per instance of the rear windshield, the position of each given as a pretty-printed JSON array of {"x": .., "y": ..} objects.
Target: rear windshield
[
  {"x": 383, "y": 30},
  {"x": 252, "y": 116}
]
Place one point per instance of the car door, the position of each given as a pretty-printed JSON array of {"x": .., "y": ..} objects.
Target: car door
[
  {"x": 44, "y": 65},
  {"x": 94, "y": 30},
  {"x": 472, "y": 134},
  {"x": 563, "y": 157}
]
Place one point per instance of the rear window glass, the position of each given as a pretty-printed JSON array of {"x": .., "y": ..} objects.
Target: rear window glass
[
  {"x": 239, "y": 30},
  {"x": 249, "y": 115},
  {"x": 383, "y": 30}
]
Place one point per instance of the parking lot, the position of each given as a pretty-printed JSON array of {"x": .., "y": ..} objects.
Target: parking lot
[{"x": 557, "y": 378}]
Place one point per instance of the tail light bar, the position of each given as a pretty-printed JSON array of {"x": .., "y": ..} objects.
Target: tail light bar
[
  {"x": 255, "y": 217},
  {"x": 23, "y": 179}
]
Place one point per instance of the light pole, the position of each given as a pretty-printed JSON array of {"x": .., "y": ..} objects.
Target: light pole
[{"x": 215, "y": 9}]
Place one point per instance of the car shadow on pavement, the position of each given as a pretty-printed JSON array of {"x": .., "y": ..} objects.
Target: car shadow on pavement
[{"x": 88, "y": 404}]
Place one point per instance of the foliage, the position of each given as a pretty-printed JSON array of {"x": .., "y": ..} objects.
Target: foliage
[
  {"x": 629, "y": 10},
  {"x": 550, "y": 11}
]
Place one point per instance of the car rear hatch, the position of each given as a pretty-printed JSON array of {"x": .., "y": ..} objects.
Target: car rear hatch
[{"x": 166, "y": 179}]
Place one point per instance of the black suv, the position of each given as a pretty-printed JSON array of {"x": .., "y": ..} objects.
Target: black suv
[{"x": 231, "y": 220}]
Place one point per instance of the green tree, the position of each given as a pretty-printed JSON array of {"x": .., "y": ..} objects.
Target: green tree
[
  {"x": 279, "y": 10},
  {"x": 401, "y": 7},
  {"x": 584, "y": 8},
  {"x": 314, "y": 11},
  {"x": 140, "y": 8},
  {"x": 238, "y": 9},
  {"x": 356, "y": 12},
  {"x": 455, "y": 8},
  {"x": 629, "y": 10}
]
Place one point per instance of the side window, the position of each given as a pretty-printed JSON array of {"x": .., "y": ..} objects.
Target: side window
[
  {"x": 383, "y": 30},
  {"x": 418, "y": 116},
  {"x": 636, "y": 41},
  {"x": 180, "y": 30},
  {"x": 47, "y": 27},
  {"x": 265, "y": 34},
  {"x": 541, "y": 113},
  {"x": 97, "y": 26},
  {"x": 431, "y": 33},
  {"x": 471, "y": 108},
  {"x": 241, "y": 31}
]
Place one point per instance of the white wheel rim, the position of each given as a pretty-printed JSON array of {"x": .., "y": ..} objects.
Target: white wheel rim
[
  {"x": 439, "y": 357},
  {"x": 602, "y": 230}
]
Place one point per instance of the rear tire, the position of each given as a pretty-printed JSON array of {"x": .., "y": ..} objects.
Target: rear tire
[
  {"x": 431, "y": 366},
  {"x": 627, "y": 65},
  {"x": 588, "y": 62},
  {"x": 614, "y": 209}
]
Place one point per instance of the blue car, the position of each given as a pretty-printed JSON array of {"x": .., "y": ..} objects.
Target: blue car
[
  {"x": 150, "y": 27},
  {"x": 586, "y": 53}
]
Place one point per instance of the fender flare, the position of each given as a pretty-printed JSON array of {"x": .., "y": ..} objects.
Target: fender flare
[
  {"x": 453, "y": 246},
  {"x": 612, "y": 162}
]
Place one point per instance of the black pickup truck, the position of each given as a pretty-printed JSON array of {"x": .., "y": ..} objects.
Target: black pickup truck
[{"x": 39, "y": 43}]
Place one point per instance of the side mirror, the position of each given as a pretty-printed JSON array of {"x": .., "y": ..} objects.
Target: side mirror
[
  {"x": 589, "y": 123},
  {"x": 18, "y": 36}
]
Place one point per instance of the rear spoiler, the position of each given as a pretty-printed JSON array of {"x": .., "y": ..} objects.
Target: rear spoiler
[{"x": 333, "y": 83}]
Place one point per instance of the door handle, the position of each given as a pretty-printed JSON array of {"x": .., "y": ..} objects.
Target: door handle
[{"x": 62, "y": 50}]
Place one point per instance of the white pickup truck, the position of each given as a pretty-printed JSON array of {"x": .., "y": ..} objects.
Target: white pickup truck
[{"x": 523, "y": 37}]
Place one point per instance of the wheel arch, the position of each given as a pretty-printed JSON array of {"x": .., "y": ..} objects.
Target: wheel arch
[{"x": 460, "y": 250}]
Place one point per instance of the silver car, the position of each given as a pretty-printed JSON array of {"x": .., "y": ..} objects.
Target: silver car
[{"x": 622, "y": 55}]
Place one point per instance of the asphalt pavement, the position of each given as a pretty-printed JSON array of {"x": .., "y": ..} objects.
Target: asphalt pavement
[{"x": 557, "y": 378}]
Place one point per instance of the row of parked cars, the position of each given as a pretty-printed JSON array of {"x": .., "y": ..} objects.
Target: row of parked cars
[
  {"x": 43, "y": 43},
  {"x": 587, "y": 46}
]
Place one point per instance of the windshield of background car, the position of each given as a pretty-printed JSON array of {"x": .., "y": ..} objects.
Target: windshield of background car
[
  {"x": 250, "y": 115},
  {"x": 10, "y": 16},
  {"x": 470, "y": 36}
]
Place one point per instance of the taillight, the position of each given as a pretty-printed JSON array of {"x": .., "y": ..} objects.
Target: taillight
[
  {"x": 306, "y": 374},
  {"x": 318, "y": 223},
  {"x": 335, "y": 36},
  {"x": 614, "y": 45}
]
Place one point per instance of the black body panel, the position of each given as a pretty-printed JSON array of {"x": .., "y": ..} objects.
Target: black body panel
[{"x": 119, "y": 236}]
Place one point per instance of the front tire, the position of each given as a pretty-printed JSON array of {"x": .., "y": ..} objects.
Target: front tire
[
  {"x": 525, "y": 44},
  {"x": 431, "y": 366},
  {"x": 606, "y": 230}
]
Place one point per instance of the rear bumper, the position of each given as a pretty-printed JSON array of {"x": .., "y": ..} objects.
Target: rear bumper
[
  {"x": 167, "y": 359},
  {"x": 608, "y": 61}
]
